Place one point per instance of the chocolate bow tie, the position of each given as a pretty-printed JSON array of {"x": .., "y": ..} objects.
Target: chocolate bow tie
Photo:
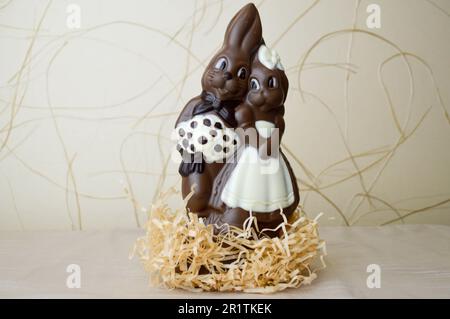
[{"x": 212, "y": 103}]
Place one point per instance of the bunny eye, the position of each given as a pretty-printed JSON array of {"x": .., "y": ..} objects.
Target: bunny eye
[
  {"x": 273, "y": 82},
  {"x": 242, "y": 73},
  {"x": 221, "y": 64},
  {"x": 254, "y": 84}
]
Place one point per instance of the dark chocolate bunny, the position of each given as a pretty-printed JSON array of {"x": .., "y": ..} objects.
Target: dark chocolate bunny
[
  {"x": 206, "y": 117},
  {"x": 247, "y": 188}
]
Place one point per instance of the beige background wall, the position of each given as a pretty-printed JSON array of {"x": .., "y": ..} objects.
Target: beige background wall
[{"x": 85, "y": 114}]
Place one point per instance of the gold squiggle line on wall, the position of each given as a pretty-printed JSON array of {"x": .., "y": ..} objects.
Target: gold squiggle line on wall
[
  {"x": 16, "y": 210},
  {"x": 14, "y": 106},
  {"x": 430, "y": 72},
  {"x": 438, "y": 7},
  {"x": 377, "y": 157},
  {"x": 61, "y": 140},
  {"x": 69, "y": 213},
  {"x": 293, "y": 23},
  {"x": 416, "y": 211},
  {"x": 38, "y": 173}
]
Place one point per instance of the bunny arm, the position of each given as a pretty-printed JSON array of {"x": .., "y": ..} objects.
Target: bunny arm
[
  {"x": 187, "y": 112},
  {"x": 245, "y": 119}
]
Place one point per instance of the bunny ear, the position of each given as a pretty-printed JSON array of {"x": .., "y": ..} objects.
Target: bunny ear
[{"x": 244, "y": 31}]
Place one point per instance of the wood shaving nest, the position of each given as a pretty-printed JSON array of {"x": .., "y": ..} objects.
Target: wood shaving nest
[{"x": 179, "y": 251}]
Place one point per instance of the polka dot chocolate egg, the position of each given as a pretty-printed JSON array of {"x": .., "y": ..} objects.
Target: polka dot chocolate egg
[{"x": 208, "y": 135}]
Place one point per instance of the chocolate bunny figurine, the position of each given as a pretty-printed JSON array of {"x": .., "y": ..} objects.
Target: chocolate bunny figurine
[
  {"x": 262, "y": 182},
  {"x": 205, "y": 139}
]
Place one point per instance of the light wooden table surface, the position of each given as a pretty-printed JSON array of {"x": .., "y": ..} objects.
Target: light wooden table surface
[{"x": 414, "y": 261}]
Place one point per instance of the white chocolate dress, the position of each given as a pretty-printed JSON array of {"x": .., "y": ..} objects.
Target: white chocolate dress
[{"x": 259, "y": 185}]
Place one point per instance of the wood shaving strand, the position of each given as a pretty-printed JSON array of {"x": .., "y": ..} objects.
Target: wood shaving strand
[{"x": 179, "y": 251}]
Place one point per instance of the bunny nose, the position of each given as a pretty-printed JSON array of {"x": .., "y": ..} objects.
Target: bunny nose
[{"x": 227, "y": 76}]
